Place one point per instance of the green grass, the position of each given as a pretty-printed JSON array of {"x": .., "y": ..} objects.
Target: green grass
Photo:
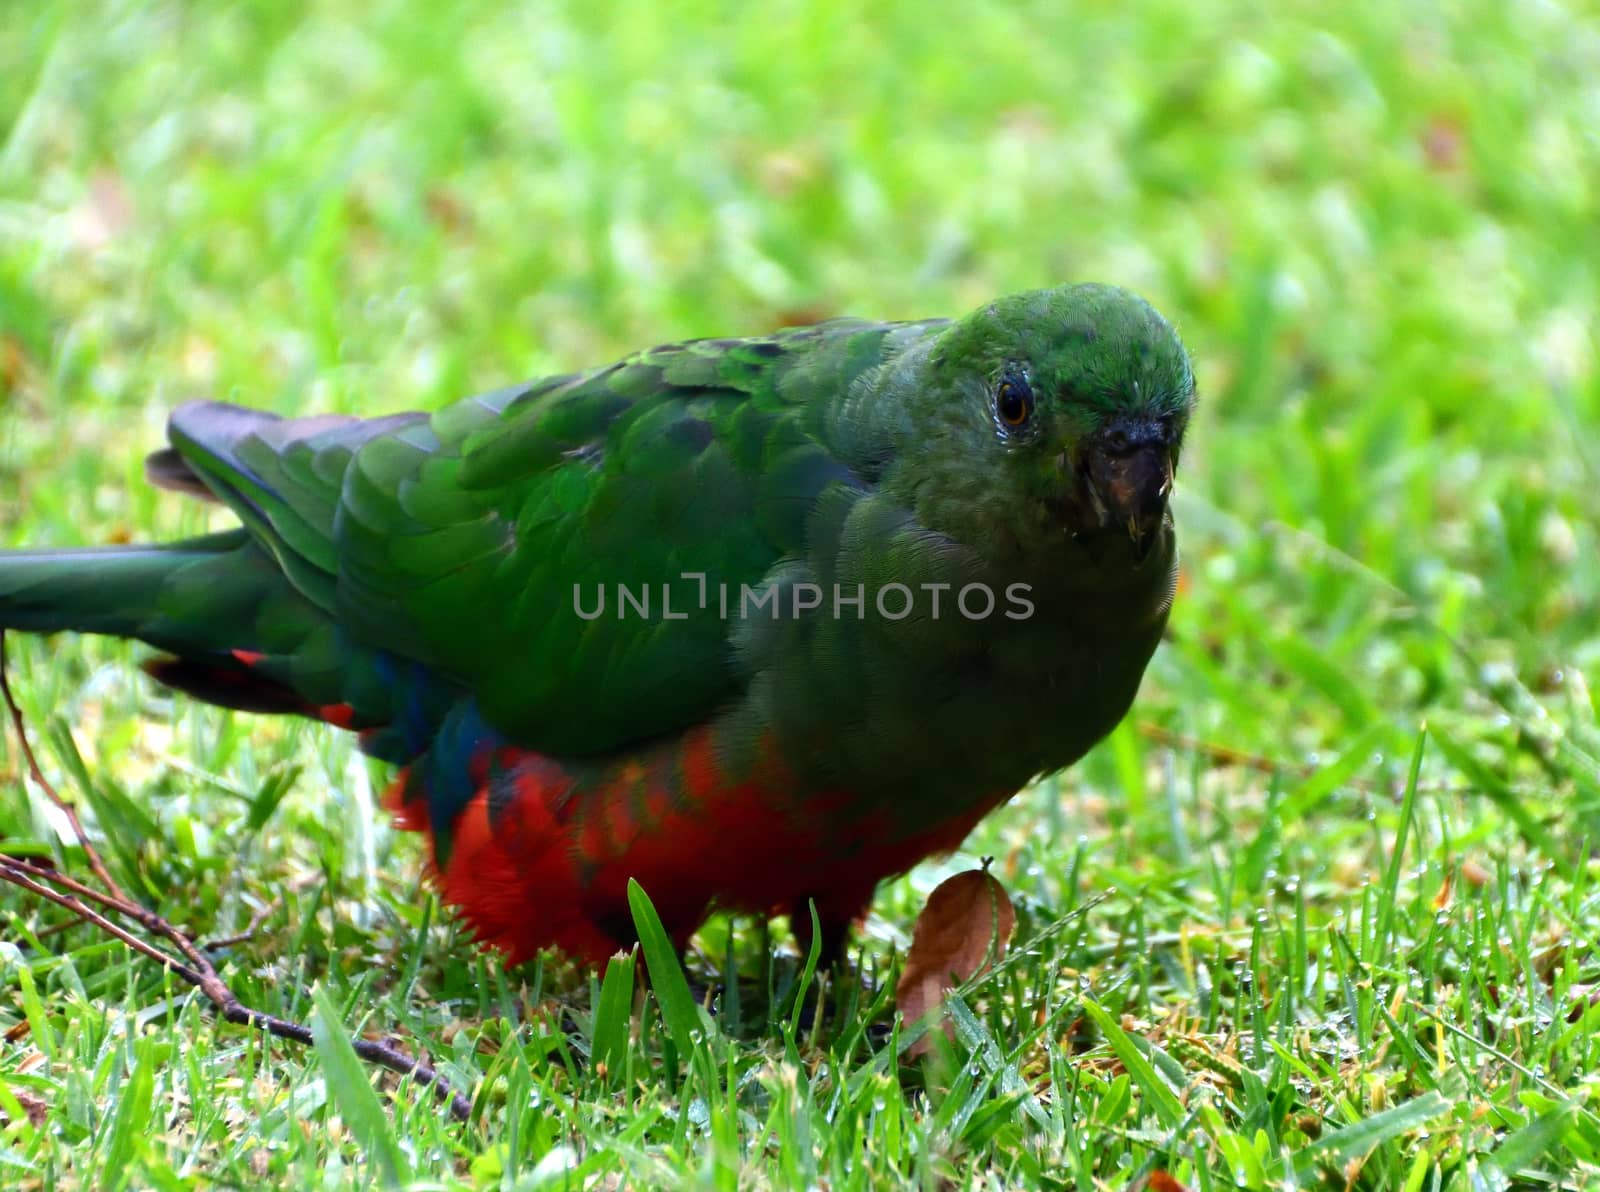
[{"x": 1329, "y": 949}]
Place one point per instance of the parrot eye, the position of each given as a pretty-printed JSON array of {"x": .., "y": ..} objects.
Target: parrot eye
[{"x": 1013, "y": 402}]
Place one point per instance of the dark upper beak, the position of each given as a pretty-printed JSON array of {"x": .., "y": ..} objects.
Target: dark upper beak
[{"x": 1128, "y": 470}]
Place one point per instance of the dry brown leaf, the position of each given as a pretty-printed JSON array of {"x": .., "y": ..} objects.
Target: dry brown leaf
[
  {"x": 1161, "y": 1181},
  {"x": 1441, "y": 900},
  {"x": 1475, "y": 874},
  {"x": 963, "y": 929},
  {"x": 36, "y": 1108}
]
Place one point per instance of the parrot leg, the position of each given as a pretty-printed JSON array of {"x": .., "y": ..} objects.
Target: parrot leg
[{"x": 836, "y": 914}]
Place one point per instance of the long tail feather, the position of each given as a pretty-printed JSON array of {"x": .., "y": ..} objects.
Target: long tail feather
[{"x": 116, "y": 590}]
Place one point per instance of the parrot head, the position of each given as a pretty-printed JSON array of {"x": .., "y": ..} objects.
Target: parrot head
[{"x": 1045, "y": 428}]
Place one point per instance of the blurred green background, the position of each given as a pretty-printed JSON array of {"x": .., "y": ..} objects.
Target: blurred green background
[{"x": 1376, "y": 226}]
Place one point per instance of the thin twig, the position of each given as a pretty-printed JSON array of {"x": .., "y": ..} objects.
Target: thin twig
[
  {"x": 1221, "y": 755},
  {"x": 67, "y": 809},
  {"x": 14, "y": 874},
  {"x": 250, "y": 929},
  {"x": 1225, "y": 755},
  {"x": 45, "y": 933},
  {"x": 195, "y": 968},
  {"x": 54, "y": 876}
]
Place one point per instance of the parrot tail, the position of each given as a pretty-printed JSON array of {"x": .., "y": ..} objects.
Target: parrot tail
[
  {"x": 119, "y": 591},
  {"x": 214, "y": 604},
  {"x": 233, "y": 629}
]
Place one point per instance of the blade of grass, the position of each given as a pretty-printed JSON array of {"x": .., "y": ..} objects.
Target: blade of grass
[
  {"x": 1360, "y": 1138},
  {"x": 132, "y": 1117},
  {"x": 349, "y": 1083},
  {"x": 1499, "y": 793},
  {"x": 1158, "y": 1093},
  {"x": 1391, "y": 880},
  {"x": 612, "y": 1015},
  {"x": 678, "y": 1009},
  {"x": 1523, "y": 1148}
]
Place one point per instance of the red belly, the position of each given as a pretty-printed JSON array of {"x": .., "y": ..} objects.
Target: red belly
[{"x": 552, "y": 871}]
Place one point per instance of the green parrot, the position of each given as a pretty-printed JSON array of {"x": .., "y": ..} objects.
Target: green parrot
[{"x": 753, "y": 621}]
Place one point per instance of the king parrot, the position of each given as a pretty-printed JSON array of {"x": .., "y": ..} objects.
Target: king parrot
[{"x": 754, "y": 621}]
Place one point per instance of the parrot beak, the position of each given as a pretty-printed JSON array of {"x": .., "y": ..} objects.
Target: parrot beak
[{"x": 1127, "y": 471}]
